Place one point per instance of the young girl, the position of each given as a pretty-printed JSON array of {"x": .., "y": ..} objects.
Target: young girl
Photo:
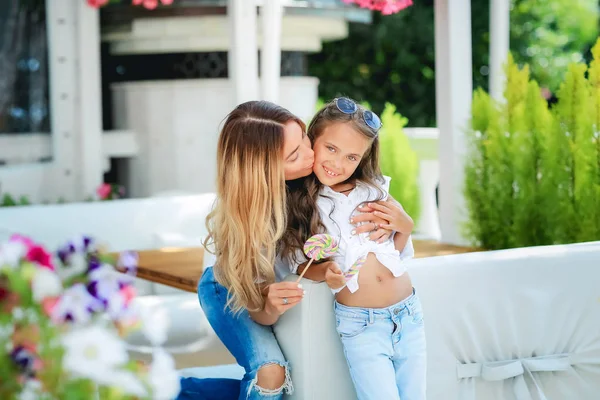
[{"x": 379, "y": 317}]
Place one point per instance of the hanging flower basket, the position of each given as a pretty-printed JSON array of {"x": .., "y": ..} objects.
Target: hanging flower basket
[
  {"x": 386, "y": 7},
  {"x": 148, "y": 4}
]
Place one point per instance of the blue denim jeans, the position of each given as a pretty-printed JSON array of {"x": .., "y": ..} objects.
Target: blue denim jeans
[
  {"x": 385, "y": 349},
  {"x": 253, "y": 346}
]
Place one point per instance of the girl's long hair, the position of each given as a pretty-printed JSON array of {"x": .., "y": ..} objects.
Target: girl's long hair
[
  {"x": 249, "y": 216},
  {"x": 303, "y": 212}
]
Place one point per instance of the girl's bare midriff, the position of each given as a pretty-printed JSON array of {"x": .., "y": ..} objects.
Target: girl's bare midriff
[{"x": 378, "y": 287}]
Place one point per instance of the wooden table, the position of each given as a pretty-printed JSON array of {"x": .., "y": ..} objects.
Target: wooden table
[{"x": 182, "y": 267}]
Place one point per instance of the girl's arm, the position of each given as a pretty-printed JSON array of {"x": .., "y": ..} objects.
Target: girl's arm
[{"x": 316, "y": 272}]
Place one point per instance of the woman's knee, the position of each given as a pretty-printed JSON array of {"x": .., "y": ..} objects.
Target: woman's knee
[{"x": 273, "y": 377}]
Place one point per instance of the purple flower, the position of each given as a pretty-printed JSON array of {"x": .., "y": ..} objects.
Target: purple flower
[
  {"x": 128, "y": 262},
  {"x": 24, "y": 359},
  {"x": 76, "y": 305}
]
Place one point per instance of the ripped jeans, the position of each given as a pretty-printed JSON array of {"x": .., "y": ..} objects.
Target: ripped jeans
[{"x": 253, "y": 346}]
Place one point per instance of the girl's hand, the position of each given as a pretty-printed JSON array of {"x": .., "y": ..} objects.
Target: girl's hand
[
  {"x": 333, "y": 276},
  {"x": 282, "y": 296}
]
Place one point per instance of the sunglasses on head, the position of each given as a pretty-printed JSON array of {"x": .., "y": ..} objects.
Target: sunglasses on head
[{"x": 349, "y": 107}]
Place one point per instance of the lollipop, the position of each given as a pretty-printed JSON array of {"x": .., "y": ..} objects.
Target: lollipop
[
  {"x": 318, "y": 247},
  {"x": 355, "y": 268}
]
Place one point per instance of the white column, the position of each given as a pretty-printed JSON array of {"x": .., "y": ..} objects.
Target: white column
[
  {"x": 91, "y": 161},
  {"x": 270, "y": 56},
  {"x": 499, "y": 45},
  {"x": 62, "y": 52},
  {"x": 243, "y": 49},
  {"x": 454, "y": 90}
]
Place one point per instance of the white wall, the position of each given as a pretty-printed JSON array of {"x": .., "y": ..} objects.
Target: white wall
[{"x": 177, "y": 125}]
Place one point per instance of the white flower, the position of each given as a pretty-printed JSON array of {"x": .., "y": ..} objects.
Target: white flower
[
  {"x": 107, "y": 280},
  {"x": 6, "y": 331},
  {"x": 18, "y": 313},
  {"x": 77, "y": 265},
  {"x": 127, "y": 382},
  {"x": 164, "y": 379},
  {"x": 45, "y": 283},
  {"x": 31, "y": 390},
  {"x": 76, "y": 304},
  {"x": 11, "y": 253},
  {"x": 93, "y": 353},
  {"x": 155, "y": 324}
]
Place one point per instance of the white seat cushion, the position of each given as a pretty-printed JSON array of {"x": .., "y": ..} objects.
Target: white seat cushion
[{"x": 188, "y": 330}]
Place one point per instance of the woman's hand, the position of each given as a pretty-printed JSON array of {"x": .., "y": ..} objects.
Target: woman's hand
[
  {"x": 382, "y": 218},
  {"x": 393, "y": 212},
  {"x": 333, "y": 276},
  {"x": 282, "y": 296}
]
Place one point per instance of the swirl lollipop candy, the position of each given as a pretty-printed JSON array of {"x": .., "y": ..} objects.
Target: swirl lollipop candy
[
  {"x": 317, "y": 247},
  {"x": 355, "y": 268}
]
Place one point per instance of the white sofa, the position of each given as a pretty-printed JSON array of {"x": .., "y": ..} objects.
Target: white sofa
[
  {"x": 518, "y": 324},
  {"x": 499, "y": 324},
  {"x": 139, "y": 224}
]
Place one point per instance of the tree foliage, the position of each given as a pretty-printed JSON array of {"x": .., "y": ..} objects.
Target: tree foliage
[{"x": 393, "y": 59}]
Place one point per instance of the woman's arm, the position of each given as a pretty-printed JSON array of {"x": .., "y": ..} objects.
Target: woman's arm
[{"x": 279, "y": 297}]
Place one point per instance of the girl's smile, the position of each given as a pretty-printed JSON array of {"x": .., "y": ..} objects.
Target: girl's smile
[{"x": 338, "y": 152}]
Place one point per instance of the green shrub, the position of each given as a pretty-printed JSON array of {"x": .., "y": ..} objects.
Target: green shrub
[
  {"x": 533, "y": 173},
  {"x": 399, "y": 161}
]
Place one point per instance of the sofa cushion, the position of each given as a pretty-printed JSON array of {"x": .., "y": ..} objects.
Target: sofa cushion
[{"x": 188, "y": 329}]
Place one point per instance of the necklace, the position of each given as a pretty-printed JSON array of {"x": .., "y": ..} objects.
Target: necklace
[{"x": 347, "y": 190}]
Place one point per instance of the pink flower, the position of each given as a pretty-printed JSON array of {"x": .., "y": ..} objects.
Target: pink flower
[
  {"x": 39, "y": 255},
  {"x": 97, "y": 3},
  {"x": 49, "y": 304},
  {"x": 166, "y": 2},
  {"x": 150, "y": 4},
  {"x": 137, "y": 2},
  {"x": 103, "y": 191},
  {"x": 25, "y": 241},
  {"x": 128, "y": 293},
  {"x": 386, "y": 7}
]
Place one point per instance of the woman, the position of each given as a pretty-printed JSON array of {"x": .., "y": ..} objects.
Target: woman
[{"x": 261, "y": 146}]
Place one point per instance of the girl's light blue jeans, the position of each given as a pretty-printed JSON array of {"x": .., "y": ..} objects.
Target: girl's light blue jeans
[
  {"x": 252, "y": 345},
  {"x": 385, "y": 349}
]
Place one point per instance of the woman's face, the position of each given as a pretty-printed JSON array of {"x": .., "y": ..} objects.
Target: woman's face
[{"x": 298, "y": 157}]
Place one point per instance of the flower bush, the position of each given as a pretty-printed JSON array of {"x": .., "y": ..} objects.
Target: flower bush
[
  {"x": 386, "y": 7},
  {"x": 63, "y": 319}
]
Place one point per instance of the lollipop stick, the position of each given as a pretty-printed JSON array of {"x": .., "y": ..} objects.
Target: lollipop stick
[{"x": 305, "y": 269}]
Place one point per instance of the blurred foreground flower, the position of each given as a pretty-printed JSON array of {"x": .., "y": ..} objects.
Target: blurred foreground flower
[{"x": 63, "y": 317}]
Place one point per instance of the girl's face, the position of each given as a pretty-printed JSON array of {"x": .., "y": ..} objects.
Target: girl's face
[
  {"x": 338, "y": 152},
  {"x": 298, "y": 157}
]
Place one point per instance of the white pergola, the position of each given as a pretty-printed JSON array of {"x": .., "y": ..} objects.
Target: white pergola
[
  {"x": 454, "y": 77},
  {"x": 74, "y": 58}
]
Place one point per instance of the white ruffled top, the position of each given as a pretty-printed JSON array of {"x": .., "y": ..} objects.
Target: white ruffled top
[{"x": 335, "y": 210}]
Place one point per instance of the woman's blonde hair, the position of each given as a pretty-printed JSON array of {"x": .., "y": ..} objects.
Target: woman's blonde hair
[{"x": 249, "y": 215}]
